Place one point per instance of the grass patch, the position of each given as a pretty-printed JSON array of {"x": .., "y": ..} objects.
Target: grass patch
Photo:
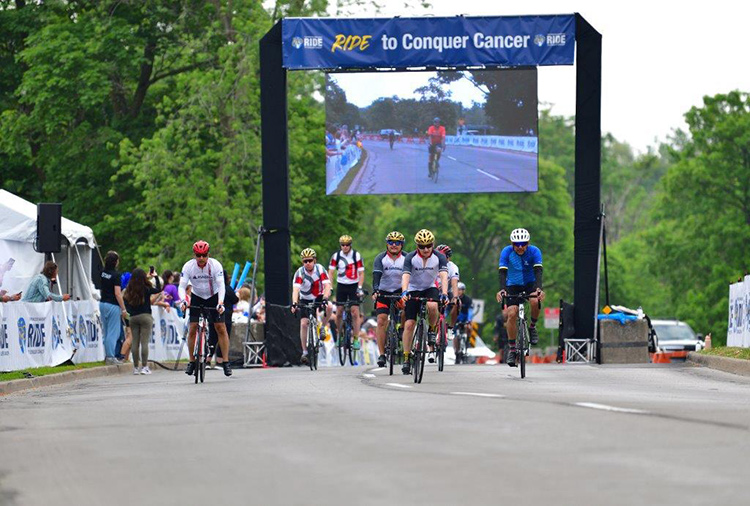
[
  {"x": 44, "y": 371},
  {"x": 730, "y": 352}
]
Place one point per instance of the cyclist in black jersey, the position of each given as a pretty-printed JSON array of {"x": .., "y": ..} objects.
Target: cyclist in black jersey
[{"x": 386, "y": 281}]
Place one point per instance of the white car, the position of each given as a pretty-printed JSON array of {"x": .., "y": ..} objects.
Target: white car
[{"x": 674, "y": 335}]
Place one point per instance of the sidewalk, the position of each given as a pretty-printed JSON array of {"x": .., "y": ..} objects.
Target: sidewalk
[
  {"x": 731, "y": 365},
  {"x": 19, "y": 385}
]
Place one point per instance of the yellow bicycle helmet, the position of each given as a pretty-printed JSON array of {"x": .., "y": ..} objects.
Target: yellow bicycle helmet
[
  {"x": 308, "y": 253},
  {"x": 395, "y": 236},
  {"x": 345, "y": 239},
  {"x": 424, "y": 237}
]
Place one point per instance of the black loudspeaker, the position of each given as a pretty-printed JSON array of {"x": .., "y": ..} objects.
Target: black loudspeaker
[{"x": 48, "y": 227}]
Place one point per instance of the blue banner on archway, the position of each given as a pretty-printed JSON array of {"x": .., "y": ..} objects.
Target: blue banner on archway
[{"x": 320, "y": 43}]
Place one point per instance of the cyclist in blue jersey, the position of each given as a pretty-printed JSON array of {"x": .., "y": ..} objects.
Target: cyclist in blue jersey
[{"x": 520, "y": 270}]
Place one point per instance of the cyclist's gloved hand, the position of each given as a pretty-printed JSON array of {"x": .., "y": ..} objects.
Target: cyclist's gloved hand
[
  {"x": 220, "y": 308},
  {"x": 405, "y": 296},
  {"x": 183, "y": 307},
  {"x": 293, "y": 308},
  {"x": 324, "y": 301},
  {"x": 375, "y": 294},
  {"x": 443, "y": 298},
  {"x": 360, "y": 292}
]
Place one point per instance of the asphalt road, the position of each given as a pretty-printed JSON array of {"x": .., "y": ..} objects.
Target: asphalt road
[
  {"x": 463, "y": 169},
  {"x": 566, "y": 435}
]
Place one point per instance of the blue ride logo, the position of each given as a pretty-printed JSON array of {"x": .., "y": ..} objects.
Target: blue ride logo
[
  {"x": 73, "y": 333},
  {"x": 163, "y": 328},
  {"x": 56, "y": 333},
  {"x": 31, "y": 336},
  {"x": 4, "y": 348}
]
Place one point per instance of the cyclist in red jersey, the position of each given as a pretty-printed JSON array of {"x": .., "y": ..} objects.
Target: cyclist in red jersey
[{"x": 436, "y": 133}]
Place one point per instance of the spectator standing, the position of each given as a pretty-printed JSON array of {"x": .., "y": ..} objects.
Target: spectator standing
[
  {"x": 230, "y": 299},
  {"x": 40, "y": 288},
  {"x": 111, "y": 306},
  {"x": 171, "y": 294},
  {"x": 138, "y": 299}
]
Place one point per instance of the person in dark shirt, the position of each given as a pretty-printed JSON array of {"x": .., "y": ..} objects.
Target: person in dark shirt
[
  {"x": 230, "y": 299},
  {"x": 138, "y": 298},
  {"x": 111, "y": 306}
]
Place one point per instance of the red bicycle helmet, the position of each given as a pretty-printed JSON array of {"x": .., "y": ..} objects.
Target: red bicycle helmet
[
  {"x": 445, "y": 250},
  {"x": 200, "y": 248}
]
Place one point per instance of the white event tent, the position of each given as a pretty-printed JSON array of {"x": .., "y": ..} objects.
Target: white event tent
[{"x": 19, "y": 261}]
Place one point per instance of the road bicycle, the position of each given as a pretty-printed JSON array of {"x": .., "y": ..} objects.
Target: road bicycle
[
  {"x": 419, "y": 343},
  {"x": 460, "y": 333},
  {"x": 441, "y": 343},
  {"x": 346, "y": 340},
  {"x": 434, "y": 165},
  {"x": 310, "y": 311},
  {"x": 393, "y": 344},
  {"x": 522, "y": 339},
  {"x": 200, "y": 349}
]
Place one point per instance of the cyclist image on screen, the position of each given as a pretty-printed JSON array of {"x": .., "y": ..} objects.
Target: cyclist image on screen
[{"x": 436, "y": 133}]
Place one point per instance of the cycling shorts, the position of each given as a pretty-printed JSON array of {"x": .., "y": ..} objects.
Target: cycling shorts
[
  {"x": 412, "y": 306},
  {"x": 383, "y": 306},
  {"x": 515, "y": 289},
  {"x": 318, "y": 299},
  {"x": 345, "y": 293},
  {"x": 433, "y": 149},
  {"x": 212, "y": 302}
]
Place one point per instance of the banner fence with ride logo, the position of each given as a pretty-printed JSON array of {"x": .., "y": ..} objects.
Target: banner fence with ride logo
[
  {"x": 49, "y": 333},
  {"x": 168, "y": 335},
  {"x": 738, "y": 330}
]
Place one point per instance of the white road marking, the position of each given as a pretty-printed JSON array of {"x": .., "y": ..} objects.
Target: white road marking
[
  {"x": 451, "y": 158},
  {"x": 377, "y": 369},
  {"x": 399, "y": 385},
  {"x": 368, "y": 375},
  {"x": 476, "y": 394},
  {"x": 488, "y": 175},
  {"x": 604, "y": 407}
]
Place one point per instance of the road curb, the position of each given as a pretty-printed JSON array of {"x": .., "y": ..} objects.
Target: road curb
[
  {"x": 726, "y": 364},
  {"x": 19, "y": 385}
]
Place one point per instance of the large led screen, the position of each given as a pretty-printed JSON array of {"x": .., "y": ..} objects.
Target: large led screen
[{"x": 431, "y": 132}]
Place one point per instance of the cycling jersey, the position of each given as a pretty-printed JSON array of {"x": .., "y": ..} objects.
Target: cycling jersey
[
  {"x": 466, "y": 312},
  {"x": 310, "y": 284},
  {"x": 348, "y": 266},
  {"x": 424, "y": 273},
  {"x": 437, "y": 135},
  {"x": 520, "y": 267},
  {"x": 452, "y": 274},
  {"x": 387, "y": 272},
  {"x": 206, "y": 281}
]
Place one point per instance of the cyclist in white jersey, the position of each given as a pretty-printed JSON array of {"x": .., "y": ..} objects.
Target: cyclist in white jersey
[
  {"x": 421, "y": 269},
  {"x": 310, "y": 284},
  {"x": 453, "y": 279},
  {"x": 349, "y": 270},
  {"x": 206, "y": 275},
  {"x": 387, "y": 272}
]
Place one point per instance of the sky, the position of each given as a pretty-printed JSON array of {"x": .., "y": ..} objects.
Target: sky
[
  {"x": 659, "y": 58},
  {"x": 402, "y": 85}
]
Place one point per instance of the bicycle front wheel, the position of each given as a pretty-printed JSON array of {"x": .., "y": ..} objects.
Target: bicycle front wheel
[
  {"x": 442, "y": 341},
  {"x": 311, "y": 345},
  {"x": 391, "y": 350},
  {"x": 341, "y": 345},
  {"x": 521, "y": 344},
  {"x": 422, "y": 352}
]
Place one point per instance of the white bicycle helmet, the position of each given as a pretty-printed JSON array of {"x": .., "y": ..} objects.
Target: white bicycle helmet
[{"x": 520, "y": 235}]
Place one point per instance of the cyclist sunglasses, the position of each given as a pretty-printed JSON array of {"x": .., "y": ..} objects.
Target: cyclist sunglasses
[
  {"x": 308, "y": 260},
  {"x": 520, "y": 244},
  {"x": 198, "y": 255},
  {"x": 427, "y": 246},
  {"x": 395, "y": 243},
  {"x": 345, "y": 244}
]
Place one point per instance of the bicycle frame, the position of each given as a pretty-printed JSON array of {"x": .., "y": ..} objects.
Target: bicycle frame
[{"x": 346, "y": 339}]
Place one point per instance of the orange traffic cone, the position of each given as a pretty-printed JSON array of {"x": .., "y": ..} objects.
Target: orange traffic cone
[{"x": 660, "y": 358}]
